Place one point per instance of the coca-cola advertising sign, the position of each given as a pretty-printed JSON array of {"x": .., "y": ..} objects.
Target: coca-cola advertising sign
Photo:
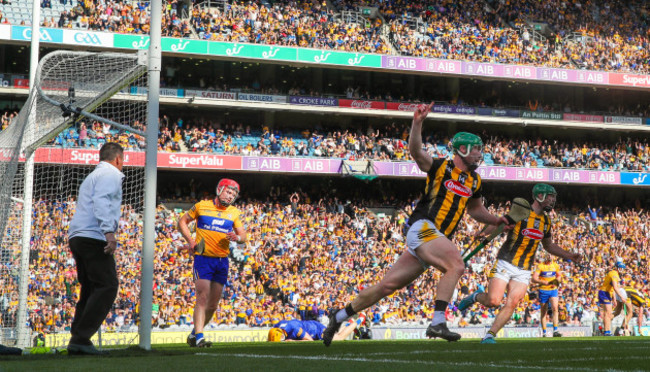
[
  {"x": 356, "y": 103},
  {"x": 403, "y": 106},
  {"x": 532, "y": 234},
  {"x": 458, "y": 188}
]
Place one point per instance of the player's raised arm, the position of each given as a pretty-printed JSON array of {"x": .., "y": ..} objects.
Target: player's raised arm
[{"x": 421, "y": 157}]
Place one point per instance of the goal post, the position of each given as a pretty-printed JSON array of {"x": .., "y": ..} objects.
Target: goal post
[{"x": 74, "y": 93}]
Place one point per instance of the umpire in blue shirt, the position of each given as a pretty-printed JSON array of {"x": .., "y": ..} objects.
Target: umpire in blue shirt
[{"x": 92, "y": 242}]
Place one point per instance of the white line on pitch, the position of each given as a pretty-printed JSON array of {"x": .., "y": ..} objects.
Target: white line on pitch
[{"x": 399, "y": 361}]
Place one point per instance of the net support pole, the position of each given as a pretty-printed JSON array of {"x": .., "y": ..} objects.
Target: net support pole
[
  {"x": 22, "y": 328},
  {"x": 150, "y": 172}
]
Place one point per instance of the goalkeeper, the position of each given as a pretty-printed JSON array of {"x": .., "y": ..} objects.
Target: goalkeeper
[
  {"x": 217, "y": 224},
  {"x": 515, "y": 259}
]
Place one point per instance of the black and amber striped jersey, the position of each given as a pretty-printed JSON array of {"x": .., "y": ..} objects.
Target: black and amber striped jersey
[
  {"x": 635, "y": 296},
  {"x": 446, "y": 194},
  {"x": 522, "y": 241}
]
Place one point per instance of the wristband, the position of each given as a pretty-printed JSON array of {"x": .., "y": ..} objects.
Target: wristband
[{"x": 238, "y": 239}]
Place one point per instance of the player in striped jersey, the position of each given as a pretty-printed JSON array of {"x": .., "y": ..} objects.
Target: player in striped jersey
[
  {"x": 634, "y": 305},
  {"x": 515, "y": 259},
  {"x": 452, "y": 187},
  {"x": 217, "y": 224}
]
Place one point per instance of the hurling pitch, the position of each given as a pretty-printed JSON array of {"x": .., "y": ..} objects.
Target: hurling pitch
[{"x": 559, "y": 354}]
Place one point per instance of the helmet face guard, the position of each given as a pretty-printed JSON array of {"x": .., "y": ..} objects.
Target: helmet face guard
[
  {"x": 471, "y": 142},
  {"x": 224, "y": 184},
  {"x": 544, "y": 190}
]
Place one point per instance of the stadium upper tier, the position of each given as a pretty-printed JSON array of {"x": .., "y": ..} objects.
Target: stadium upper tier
[{"x": 610, "y": 35}]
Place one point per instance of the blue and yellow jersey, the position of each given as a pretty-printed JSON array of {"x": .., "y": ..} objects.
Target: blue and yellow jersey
[
  {"x": 522, "y": 241},
  {"x": 447, "y": 191},
  {"x": 548, "y": 272},
  {"x": 610, "y": 278},
  {"x": 212, "y": 225},
  {"x": 296, "y": 329}
]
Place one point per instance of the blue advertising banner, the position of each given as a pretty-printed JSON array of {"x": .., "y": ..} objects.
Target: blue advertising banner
[
  {"x": 636, "y": 179},
  {"x": 506, "y": 112},
  {"x": 314, "y": 101},
  {"x": 449, "y": 109},
  {"x": 48, "y": 35}
]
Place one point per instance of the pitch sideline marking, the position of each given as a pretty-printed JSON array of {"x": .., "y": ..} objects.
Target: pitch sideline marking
[{"x": 461, "y": 364}]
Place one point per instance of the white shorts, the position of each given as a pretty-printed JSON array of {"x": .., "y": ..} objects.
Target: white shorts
[
  {"x": 507, "y": 271},
  {"x": 420, "y": 232}
]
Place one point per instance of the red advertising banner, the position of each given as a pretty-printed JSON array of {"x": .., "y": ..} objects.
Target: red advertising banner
[
  {"x": 137, "y": 159},
  {"x": 356, "y": 103},
  {"x": 630, "y": 80},
  {"x": 83, "y": 156},
  {"x": 582, "y": 117},
  {"x": 402, "y": 106},
  {"x": 21, "y": 83},
  {"x": 199, "y": 161}
]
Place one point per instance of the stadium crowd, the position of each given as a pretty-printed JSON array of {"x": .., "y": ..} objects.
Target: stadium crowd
[
  {"x": 303, "y": 253},
  {"x": 611, "y": 35},
  {"x": 386, "y": 144}
]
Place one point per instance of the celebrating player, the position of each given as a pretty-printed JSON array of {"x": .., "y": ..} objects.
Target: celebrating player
[
  {"x": 452, "y": 186},
  {"x": 515, "y": 259},
  {"x": 548, "y": 277},
  {"x": 611, "y": 284},
  {"x": 217, "y": 224}
]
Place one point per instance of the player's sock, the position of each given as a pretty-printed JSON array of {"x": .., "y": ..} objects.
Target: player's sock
[
  {"x": 439, "y": 312},
  {"x": 193, "y": 332},
  {"x": 199, "y": 336},
  {"x": 607, "y": 333},
  {"x": 554, "y": 328},
  {"x": 343, "y": 314},
  {"x": 489, "y": 334}
]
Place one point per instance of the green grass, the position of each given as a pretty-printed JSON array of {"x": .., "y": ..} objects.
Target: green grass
[{"x": 565, "y": 354}]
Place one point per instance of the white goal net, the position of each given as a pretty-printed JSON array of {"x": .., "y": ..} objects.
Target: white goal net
[{"x": 80, "y": 101}]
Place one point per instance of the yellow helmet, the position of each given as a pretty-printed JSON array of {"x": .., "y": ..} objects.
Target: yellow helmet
[{"x": 276, "y": 335}]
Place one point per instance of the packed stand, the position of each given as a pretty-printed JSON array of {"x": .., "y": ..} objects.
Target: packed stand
[
  {"x": 610, "y": 36},
  {"x": 304, "y": 24},
  {"x": 302, "y": 255},
  {"x": 616, "y": 33}
]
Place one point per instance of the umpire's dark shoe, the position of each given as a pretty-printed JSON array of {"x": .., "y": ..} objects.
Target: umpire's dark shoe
[
  {"x": 441, "y": 331},
  {"x": 330, "y": 331},
  {"x": 76, "y": 349}
]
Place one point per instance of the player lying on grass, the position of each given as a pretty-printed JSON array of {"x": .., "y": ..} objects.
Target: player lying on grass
[{"x": 310, "y": 330}]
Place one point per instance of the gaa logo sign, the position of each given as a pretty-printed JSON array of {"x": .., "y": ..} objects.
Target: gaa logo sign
[
  {"x": 458, "y": 188},
  {"x": 85, "y": 38},
  {"x": 532, "y": 234}
]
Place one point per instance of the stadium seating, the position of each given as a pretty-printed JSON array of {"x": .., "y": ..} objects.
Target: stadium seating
[{"x": 284, "y": 272}]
